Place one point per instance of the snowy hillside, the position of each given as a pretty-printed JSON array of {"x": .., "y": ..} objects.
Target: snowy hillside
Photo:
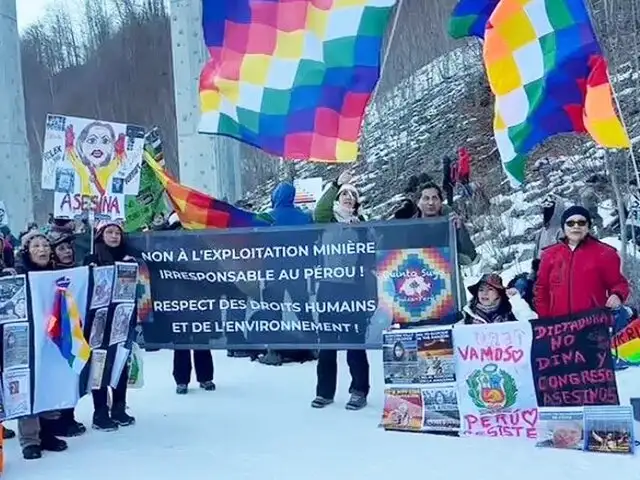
[{"x": 259, "y": 425}]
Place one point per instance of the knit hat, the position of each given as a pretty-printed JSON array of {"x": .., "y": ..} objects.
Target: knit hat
[
  {"x": 103, "y": 224},
  {"x": 25, "y": 240},
  {"x": 57, "y": 237},
  {"x": 492, "y": 279},
  {"x": 576, "y": 210},
  {"x": 347, "y": 187}
]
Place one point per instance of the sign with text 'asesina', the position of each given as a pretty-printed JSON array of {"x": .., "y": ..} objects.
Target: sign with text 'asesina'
[{"x": 318, "y": 286}]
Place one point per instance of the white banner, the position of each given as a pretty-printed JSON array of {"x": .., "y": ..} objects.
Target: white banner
[
  {"x": 496, "y": 395},
  {"x": 56, "y": 385}
]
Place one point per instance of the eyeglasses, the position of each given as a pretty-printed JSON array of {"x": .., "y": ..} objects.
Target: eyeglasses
[{"x": 579, "y": 223}]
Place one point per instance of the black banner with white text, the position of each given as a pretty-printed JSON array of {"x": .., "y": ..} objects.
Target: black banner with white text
[{"x": 318, "y": 286}]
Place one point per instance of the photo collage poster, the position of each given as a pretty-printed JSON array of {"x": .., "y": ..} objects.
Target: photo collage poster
[
  {"x": 111, "y": 321},
  {"x": 603, "y": 429},
  {"x": 16, "y": 348},
  {"x": 91, "y": 165},
  {"x": 419, "y": 375}
]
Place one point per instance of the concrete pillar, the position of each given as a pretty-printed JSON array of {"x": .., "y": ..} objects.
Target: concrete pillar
[
  {"x": 208, "y": 163},
  {"x": 15, "y": 179}
]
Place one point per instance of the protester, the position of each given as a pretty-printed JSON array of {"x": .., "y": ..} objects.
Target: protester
[
  {"x": 464, "y": 172},
  {"x": 62, "y": 244},
  {"x": 428, "y": 203},
  {"x": 109, "y": 247},
  {"x": 580, "y": 273},
  {"x": 36, "y": 431},
  {"x": 340, "y": 203},
  {"x": 202, "y": 359},
  {"x": 449, "y": 178},
  {"x": 8, "y": 257},
  {"x": 492, "y": 303},
  {"x": 551, "y": 231},
  {"x": 589, "y": 200},
  {"x": 285, "y": 213},
  {"x": 524, "y": 285}
]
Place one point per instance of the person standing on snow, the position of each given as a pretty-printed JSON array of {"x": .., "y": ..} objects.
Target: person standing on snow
[
  {"x": 464, "y": 171},
  {"x": 340, "y": 203},
  {"x": 551, "y": 231},
  {"x": 589, "y": 200},
  {"x": 580, "y": 273},
  {"x": 285, "y": 213},
  {"x": 35, "y": 432},
  {"x": 109, "y": 248},
  {"x": 449, "y": 178},
  {"x": 202, "y": 359},
  {"x": 429, "y": 205},
  {"x": 62, "y": 245}
]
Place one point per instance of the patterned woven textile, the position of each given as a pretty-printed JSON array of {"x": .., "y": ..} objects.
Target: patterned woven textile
[
  {"x": 198, "y": 211},
  {"x": 292, "y": 77},
  {"x": 548, "y": 74}
]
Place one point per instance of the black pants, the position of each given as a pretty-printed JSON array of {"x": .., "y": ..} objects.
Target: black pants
[
  {"x": 119, "y": 394},
  {"x": 328, "y": 372},
  {"x": 327, "y": 368},
  {"x": 203, "y": 363}
]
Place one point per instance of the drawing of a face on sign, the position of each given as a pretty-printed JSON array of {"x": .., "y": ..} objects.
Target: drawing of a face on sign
[{"x": 96, "y": 145}]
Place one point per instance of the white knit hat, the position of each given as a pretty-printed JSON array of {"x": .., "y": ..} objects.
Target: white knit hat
[{"x": 347, "y": 187}]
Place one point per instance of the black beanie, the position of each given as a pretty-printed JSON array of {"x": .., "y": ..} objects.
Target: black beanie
[{"x": 576, "y": 210}]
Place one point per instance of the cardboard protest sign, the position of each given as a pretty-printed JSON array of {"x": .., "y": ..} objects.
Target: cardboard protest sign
[{"x": 571, "y": 361}]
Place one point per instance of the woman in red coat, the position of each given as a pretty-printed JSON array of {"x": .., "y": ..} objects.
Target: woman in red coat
[{"x": 579, "y": 273}]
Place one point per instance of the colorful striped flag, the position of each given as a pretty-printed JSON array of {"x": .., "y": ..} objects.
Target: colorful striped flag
[
  {"x": 470, "y": 18},
  {"x": 198, "y": 211},
  {"x": 626, "y": 343},
  {"x": 65, "y": 330},
  {"x": 292, "y": 77},
  {"x": 547, "y": 72}
]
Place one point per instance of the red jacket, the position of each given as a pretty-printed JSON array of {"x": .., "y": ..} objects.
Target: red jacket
[
  {"x": 464, "y": 164},
  {"x": 576, "y": 281}
]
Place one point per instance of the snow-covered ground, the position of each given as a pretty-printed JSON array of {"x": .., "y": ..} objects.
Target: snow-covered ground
[{"x": 259, "y": 425}]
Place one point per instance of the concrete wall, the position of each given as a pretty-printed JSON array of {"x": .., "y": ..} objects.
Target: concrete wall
[{"x": 15, "y": 179}]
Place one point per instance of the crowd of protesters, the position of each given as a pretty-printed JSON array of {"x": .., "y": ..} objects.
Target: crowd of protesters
[{"x": 571, "y": 272}]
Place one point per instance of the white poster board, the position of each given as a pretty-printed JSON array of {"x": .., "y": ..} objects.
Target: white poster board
[
  {"x": 308, "y": 192},
  {"x": 91, "y": 165}
]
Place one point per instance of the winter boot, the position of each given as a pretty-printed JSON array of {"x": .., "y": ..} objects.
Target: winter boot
[
  {"x": 182, "y": 389},
  {"x": 52, "y": 443},
  {"x": 66, "y": 425},
  {"x": 32, "y": 452},
  {"x": 209, "y": 386},
  {"x": 120, "y": 416},
  {"x": 272, "y": 358},
  {"x": 8, "y": 434},
  {"x": 321, "y": 402},
  {"x": 357, "y": 401},
  {"x": 103, "y": 422}
]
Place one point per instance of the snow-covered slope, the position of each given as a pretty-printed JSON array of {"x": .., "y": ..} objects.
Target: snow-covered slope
[{"x": 259, "y": 425}]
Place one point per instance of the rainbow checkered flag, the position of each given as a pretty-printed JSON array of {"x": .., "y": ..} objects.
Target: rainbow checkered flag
[
  {"x": 292, "y": 77},
  {"x": 197, "y": 210},
  {"x": 65, "y": 329},
  {"x": 548, "y": 74}
]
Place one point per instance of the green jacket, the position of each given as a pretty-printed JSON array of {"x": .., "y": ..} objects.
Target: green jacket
[{"x": 323, "y": 212}]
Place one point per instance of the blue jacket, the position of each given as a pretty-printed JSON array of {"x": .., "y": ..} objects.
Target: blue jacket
[{"x": 284, "y": 212}]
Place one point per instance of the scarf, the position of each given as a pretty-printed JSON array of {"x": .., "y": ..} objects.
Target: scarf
[
  {"x": 344, "y": 215},
  {"x": 499, "y": 313}
]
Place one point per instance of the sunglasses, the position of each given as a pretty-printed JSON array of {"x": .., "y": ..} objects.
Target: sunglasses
[{"x": 579, "y": 223}]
